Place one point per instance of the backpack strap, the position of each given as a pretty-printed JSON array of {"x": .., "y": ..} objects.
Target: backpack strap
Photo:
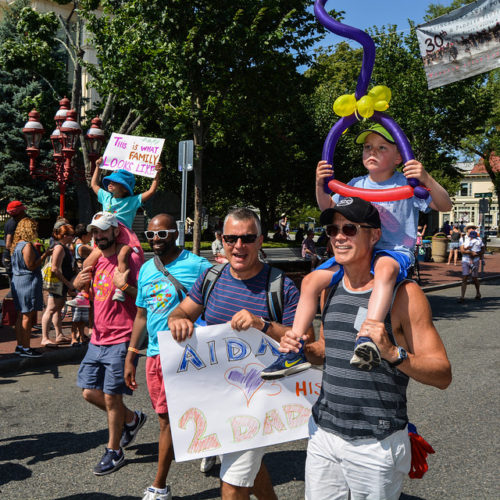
[
  {"x": 213, "y": 274},
  {"x": 274, "y": 295},
  {"x": 275, "y": 286},
  {"x": 179, "y": 287}
]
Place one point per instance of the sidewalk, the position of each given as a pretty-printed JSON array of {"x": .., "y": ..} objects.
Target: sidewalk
[{"x": 434, "y": 277}]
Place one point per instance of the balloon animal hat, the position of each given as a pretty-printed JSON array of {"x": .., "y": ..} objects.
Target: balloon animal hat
[{"x": 368, "y": 105}]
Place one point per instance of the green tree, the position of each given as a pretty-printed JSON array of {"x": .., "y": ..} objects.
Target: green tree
[
  {"x": 28, "y": 78},
  {"x": 191, "y": 60}
]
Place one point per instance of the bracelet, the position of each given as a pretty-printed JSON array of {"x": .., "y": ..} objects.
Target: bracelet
[
  {"x": 124, "y": 287},
  {"x": 133, "y": 349}
]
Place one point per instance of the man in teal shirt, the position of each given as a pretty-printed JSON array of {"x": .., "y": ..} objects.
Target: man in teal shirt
[{"x": 163, "y": 283}]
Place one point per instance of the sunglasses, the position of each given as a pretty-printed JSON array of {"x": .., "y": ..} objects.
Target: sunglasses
[
  {"x": 161, "y": 234},
  {"x": 231, "y": 239},
  {"x": 349, "y": 230}
]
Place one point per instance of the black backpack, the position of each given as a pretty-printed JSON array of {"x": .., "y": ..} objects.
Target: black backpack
[{"x": 275, "y": 281}]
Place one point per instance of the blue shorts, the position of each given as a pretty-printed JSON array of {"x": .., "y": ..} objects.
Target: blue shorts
[
  {"x": 402, "y": 259},
  {"x": 102, "y": 369}
]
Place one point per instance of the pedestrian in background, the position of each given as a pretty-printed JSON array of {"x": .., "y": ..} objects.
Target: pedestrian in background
[
  {"x": 472, "y": 249},
  {"x": 26, "y": 284},
  {"x": 80, "y": 315},
  {"x": 218, "y": 248},
  {"x": 62, "y": 268},
  {"x": 455, "y": 236},
  {"x": 17, "y": 212}
]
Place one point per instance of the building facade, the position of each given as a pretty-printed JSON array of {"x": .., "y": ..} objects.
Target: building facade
[{"x": 475, "y": 186}]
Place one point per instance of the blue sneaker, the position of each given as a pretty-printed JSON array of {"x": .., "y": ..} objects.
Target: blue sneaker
[
  {"x": 287, "y": 364},
  {"x": 130, "y": 432},
  {"x": 110, "y": 461},
  {"x": 366, "y": 354}
]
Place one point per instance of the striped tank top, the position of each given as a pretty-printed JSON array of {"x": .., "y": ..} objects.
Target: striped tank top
[{"x": 356, "y": 404}]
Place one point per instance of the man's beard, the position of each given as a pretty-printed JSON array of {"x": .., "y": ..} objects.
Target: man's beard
[
  {"x": 105, "y": 243},
  {"x": 165, "y": 249}
]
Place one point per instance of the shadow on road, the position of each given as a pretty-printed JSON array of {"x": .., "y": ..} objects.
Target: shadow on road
[
  {"x": 202, "y": 495},
  {"x": 286, "y": 466},
  {"x": 42, "y": 447},
  {"x": 448, "y": 308},
  {"x": 13, "y": 472},
  {"x": 95, "y": 496},
  {"x": 409, "y": 497}
]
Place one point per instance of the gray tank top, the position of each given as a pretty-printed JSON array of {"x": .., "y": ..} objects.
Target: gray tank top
[{"x": 353, "y": 403}]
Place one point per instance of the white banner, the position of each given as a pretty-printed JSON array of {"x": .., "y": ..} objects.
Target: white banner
[
  {"x": 217, "y": 401},
  {"x": 138, "y": 155},
  {"x": 463, "y": 43}
]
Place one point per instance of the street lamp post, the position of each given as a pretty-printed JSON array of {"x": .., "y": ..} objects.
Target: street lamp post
[
  {"x": 94, "y": 140},
  {"x": 33, "y": 131},
  {"x": 70, "y": 130}
]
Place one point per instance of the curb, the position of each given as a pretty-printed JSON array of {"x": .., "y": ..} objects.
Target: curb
[
  {"x": 49, "y": 358},
  {"x": 435, "y": 288}
]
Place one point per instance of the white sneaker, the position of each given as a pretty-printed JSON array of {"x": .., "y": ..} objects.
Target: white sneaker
[
  {"x": 119, "y": 295},
  {"x": 152, "y": 494},
  {"x": 207, "y": 463}
]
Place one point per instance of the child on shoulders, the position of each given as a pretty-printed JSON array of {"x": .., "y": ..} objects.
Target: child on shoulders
[
  {"x": 394, "y": 252},
  {"x": 118, "y": 198}
]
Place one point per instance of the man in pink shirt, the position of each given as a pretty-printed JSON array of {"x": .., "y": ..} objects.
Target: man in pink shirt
[{"x": 101, "y": 371}]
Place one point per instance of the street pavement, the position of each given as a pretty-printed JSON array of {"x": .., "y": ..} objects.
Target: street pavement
[{"x": 50, "y": 438}]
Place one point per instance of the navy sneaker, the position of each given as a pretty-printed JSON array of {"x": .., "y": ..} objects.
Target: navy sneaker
[
  {"x": 287, "y": 364},
  {"x": 366, "y": 354},
  {"x": 110, "y": 461},
  {"x": 28, "y": 352},
  {"x": 129, "y": 432}
]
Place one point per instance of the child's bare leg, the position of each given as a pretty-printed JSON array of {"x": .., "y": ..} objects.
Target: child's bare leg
[
  {"x": 91, "y": 261},
  {"x": 124, "y": 252},
  {"x": 123, "y": 255},
  {"x": 386, "y": 272},
  {"x": 366, "y": 354},
  {"x": 312, "y": 286}
]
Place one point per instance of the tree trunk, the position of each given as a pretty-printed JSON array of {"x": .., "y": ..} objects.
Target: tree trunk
[{"x": 198, "y": 191}]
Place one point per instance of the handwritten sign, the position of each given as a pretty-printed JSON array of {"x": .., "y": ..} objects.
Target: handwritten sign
[
  {"x": 138, "y": 155},
  {"x": 217, "y": 401}
]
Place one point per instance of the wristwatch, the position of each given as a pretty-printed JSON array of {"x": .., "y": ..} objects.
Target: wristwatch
[
  {"x": 402, "y": 355},
  {"x": 266, "y": 326}
]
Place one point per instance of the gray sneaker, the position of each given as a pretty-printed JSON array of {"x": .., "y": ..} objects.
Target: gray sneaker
[
  {"x": 207, "y": 463},
  {"x": 366, "y": 354}
]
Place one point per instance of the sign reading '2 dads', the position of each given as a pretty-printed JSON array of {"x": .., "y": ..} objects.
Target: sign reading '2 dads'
[
  {"x": 138, "y": 155},
  {"x": 217, "y": 401}
]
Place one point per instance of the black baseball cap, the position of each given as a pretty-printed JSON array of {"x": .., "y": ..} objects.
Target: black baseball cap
[{"x": 353, "y": 209}]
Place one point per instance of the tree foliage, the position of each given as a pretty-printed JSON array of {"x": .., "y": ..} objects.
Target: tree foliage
[
  {"x": 194, "y": 60},
  {"x": 31, "y": 72}
]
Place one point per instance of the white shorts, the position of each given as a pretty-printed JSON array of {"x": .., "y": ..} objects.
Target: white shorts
[
  {"x": 367, "y": 468},
  {"x": 241, "y": 467}
]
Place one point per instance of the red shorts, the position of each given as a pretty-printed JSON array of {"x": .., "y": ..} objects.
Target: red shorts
[{"x": 156, "y": 387}]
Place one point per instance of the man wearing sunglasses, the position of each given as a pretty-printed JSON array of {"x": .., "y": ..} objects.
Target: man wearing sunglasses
[
  {"x": 245, "y": 280},
  {"x": 163, "y": 283},
  {"x": 101, "y": 372},
  {"x": 359, "y": 439}
]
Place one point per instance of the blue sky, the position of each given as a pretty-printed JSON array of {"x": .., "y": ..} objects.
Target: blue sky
[{"x": 364, "y": 14}]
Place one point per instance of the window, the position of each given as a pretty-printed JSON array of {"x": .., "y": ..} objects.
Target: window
[{"x": 465, "y": 189}]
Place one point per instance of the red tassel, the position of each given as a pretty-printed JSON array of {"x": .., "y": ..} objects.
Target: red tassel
[{"x": 419, "y": 450}]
